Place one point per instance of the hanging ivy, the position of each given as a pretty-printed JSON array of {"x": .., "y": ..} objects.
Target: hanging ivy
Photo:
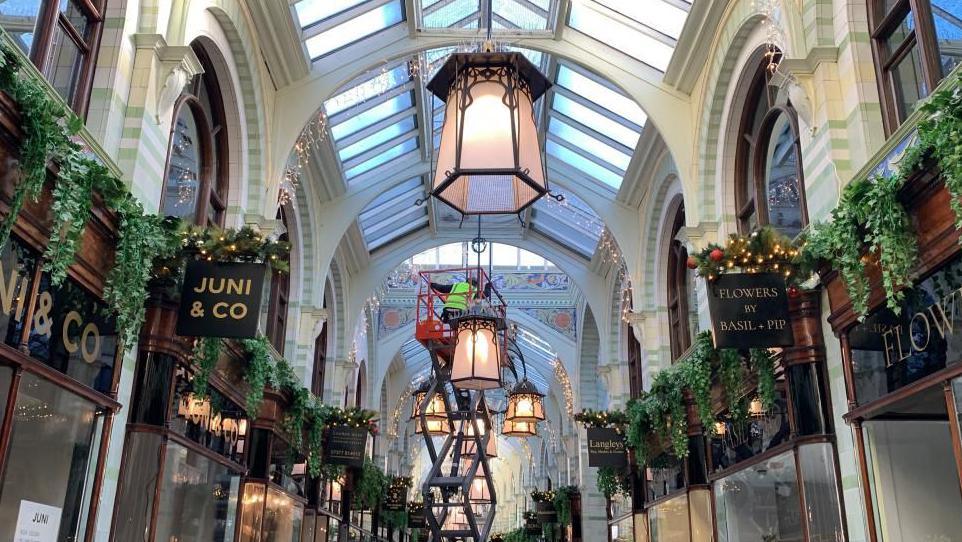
[
  {"x": 731, "y": 372},
  {"x": 612, "y": 481},
  {"x": 370, "y": 485},
  {"x": 764, "y": 364},
  {"x": 206, "y": 354},
  {"x": 259, "y": 371},
  {"x": 696, "y": 373},
  {"x": 562, "y": 503},
  {"x": 70, "y": 211},
  {"x": 940, "y": 138}
]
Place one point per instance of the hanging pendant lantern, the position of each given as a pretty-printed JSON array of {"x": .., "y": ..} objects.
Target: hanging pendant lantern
[
  {"x": 435, "y": 428},
  {"x": 525, "y": 403},
  {"x": 457, "y": 520},
  {"x": 469, "y": 444},
  {"x": 480, "y": 493},
  {"x": 435, "y": 409},
  {"x": 490, "y": 159},
  {"x": 477, "y": 355},
  {"x": 519, "y": 429},
  {"x": 756, "y": 409}
]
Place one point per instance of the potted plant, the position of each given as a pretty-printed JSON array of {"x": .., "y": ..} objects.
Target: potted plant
[{"x": 544, "y": 506}]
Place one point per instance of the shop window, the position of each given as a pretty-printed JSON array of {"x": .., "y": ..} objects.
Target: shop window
[
  {"x": 679, "y": 290},
  {"x": 141, "y": 471},
  {"x": 917, "y": 43},
  {"x": 665, "y": 475},
  {"x": 195, "y": 187},
  {"x": 768, "y": 168},
  {"x": 635, "y": 377},
  {"x": 61, "y": 38},
  {"x": 270, "y": 515},
  {"x": 744, "y": 439},
  {"x": 820, "y": 486},
  {"x": 912, "y": 469},
  {"x": 760, "y": 503},
  {"x": 278, "y": 305},
  {"x": 669, "y": 522},
  {"x": 890, "y": 351},
  {"x": 51, "y": 463},
  {"x": 198, "y": 498}
]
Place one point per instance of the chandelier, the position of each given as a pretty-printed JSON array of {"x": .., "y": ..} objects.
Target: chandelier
[{"x": 477, "y": 355}]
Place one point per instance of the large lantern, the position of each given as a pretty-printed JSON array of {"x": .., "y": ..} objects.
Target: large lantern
[
  {"x": 490, "y": 160},
  {"x": 477, "y": 355},
  {"x": 435, "y": 428},
  {"x": 525, "y": 403},
  {"x": 479, "y": 493},
  {"x": 435, "y": 409},
  {"x": 469, "y": 444},
  {"x": 519, "y": 429}
]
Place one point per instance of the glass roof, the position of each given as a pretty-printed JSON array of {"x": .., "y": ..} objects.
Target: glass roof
[
  {"x": 593, "y": 127},
  {"x": 512, "y": 15},
  {"x": 646, "y": 30},
  {"x": 393, "y": 214},
  {"x": 329, "y": 25},
  {"x": 571, "y": 222}
]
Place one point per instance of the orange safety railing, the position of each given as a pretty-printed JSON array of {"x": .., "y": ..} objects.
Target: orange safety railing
[{"x": 430, "y": 303}]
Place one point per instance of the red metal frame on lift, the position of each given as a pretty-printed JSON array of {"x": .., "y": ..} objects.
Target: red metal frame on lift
[{"x": 430, "y": 303}]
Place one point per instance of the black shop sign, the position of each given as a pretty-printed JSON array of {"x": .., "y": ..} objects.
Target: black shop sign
[
  {"x": 220, "y": 300},
  {"x": 606, "y": 448},
  {"x": 749, "y": 310},
  {"x": 416, "y": 519},
  {"x": 345, "y": 446}
]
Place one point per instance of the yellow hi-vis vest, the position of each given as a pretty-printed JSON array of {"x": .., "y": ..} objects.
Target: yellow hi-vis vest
[{"x": 458, "y": 299}]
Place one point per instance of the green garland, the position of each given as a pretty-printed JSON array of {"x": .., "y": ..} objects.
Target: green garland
[
  {"x": 764, "y": 364},
  {"x": 258, "y": 374},
  {"x": 370, "y": 485},
  {"x": 542, "y": 496},
  {"x": 696, "y": 375},
  {"x": 562, "y": 503},
  {"x": 940, "y": 137},
  {"x": 206, "y": 354},
  {"x": 70, "y": 211},
  {"x": 764, "y": 251},
  {"x": 731, "y": 374},
  {"x": 612, "y": 482},
  {"x": 601, "y": 418}
]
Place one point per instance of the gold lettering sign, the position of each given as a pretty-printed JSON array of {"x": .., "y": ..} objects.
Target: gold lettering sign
[
  {"x": 198, "y": 411},
  {"x": 938, "y": 318}
]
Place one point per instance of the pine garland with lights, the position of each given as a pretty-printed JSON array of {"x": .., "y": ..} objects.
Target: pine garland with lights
[
  {"x": 602, "y": 418},
  {"x": 762, "y": 251},
  {"x": 542, "y": 496}
]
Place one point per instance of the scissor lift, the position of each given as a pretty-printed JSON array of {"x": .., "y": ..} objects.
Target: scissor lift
[{"x": 447, "y": 488}]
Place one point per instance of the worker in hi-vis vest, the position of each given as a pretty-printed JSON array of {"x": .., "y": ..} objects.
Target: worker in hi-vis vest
[{"x": 458, "y": 297}]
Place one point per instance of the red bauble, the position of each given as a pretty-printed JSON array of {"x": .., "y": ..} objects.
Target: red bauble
[
  {"x": 692, "y": 262},
  {"x": 716, "y": 255},
  {"x": 793, "y": 292}
]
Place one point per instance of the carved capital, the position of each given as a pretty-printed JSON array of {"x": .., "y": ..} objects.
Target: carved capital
[{"x": 173, "y": 68}]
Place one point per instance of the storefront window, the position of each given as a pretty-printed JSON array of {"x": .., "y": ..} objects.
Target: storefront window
[
  {"x": 668, "y": 521},
  {"x": 760, "y": 503},
  {"x": 912, "y": 470},
  {"x": 52, "y": 458},
  {"x": 198, "y": 500},
  {"x": 283, "y": 518},
  {"x": 666, "y": 474},
  {"x": 136, "y": 492},
  {"x": 17, "y": 266},
  {"x": 741, "y": 440},
  {"x": 822, "y": 503},
  {"x": 782, "y": 184},
  {"x": 623, "y": 530},
  {"x": 890, "y": 351},
  {"x": 215, "y": 422}
]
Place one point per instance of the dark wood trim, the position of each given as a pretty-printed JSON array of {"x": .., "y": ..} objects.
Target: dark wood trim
[
  {"x": 46, "y": 372},
  {"x": 864, "y": 412},
  {"x": 91, "y": 525},
  {"x": 9, "y": 413},
  {"x": 867, "y": 500},
  {"x": 954, "y": 428}
]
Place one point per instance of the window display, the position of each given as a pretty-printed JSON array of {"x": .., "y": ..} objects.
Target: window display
[
  {"x": 760, "y": 503},
  {"x": 668, "y": 521}
]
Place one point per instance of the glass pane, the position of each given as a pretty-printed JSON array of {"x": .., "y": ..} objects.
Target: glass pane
[
  {"x": 913, "y": 478},
  {"x": 368, "y": 89},
  {"x": 198, "y": 499},
  {"x": 519, "y": 15},
  {"x": 900, "y": 32},
  {"x": 909, "y": 82},
  {"x": 890, "y": 351},
  {"x": 596, "y": 121},
  {"x": 390, "y": 154},
  {"x": 355, "y": 29},
  {"x": 53, "y": 453},
  {"x": 782, "y": 185},
  {"x": 668, "y": 521},
  {"x": 623, "y": 530},
  {"x": 600, "y": 94},
  {"x": 75, "y": 15},
  {"x": 665, "y": 474},
  {"x": 760, "y": 503},
  {"x": 282, "y": 518},
  {"x": 459, "y": 13},
  {"x": 6, "y": 377},
  {"x": 64, "y": 64},
  {"x": 948, "y": 31},
  {"x": 252, "y": 516},
  {"x": 578, "y": 161},
  {"x": 602, "y": 151},
  {"x": 504, "y": 255},
  {"x": 742, "y": 440},
  {"x": 817, "y": 463},
  {"x": 17, "y": 267},
  {"x": 136, "y": 494},
  {"x": 373, "y": 115},
  {"x": 632, "y": 42},
  {"x": 184, "y": 170},
  {"x": 657, "y": 14},
  {"x": 312, "y": 11},
  {"x": 381, "y": 136},
  {"x": 451, "y": 255},
  {"x": 19, "y": 19}
]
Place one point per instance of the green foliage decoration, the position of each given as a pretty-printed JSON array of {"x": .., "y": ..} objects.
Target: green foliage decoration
[
  {"x": 542, "y": 496},
  {"x": 601, "y": 418},
  {"x": 940, "y": 139},
  {"x": 764, "y": 251},
  {"x": 206, "y": 353},
  {"x": 731, "y": 373},
  {"x": 369, "y": 486},
  {"x": 764, "y": 364},
  {"x": 562, "y": 502},
  {"x": 612, "y": 481},
  {"x": 258, "y": 374},
  {"x": 696, "y": 375}
]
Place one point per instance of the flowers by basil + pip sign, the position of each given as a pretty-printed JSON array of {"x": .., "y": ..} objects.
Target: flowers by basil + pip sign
[
  {"x": 749, "y": 310},
  {"x": 606, "y": 448},
  {"x": 220, "y": 299}
]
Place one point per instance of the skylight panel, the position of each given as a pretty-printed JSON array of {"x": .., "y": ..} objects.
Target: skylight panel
[
  {"x": 312, "y": 11},
  {"x": 381, "y": 136},
  {"x": 583, "y": 164},
  {"x": 600, "y": 94},
  {"x": 375, "y": 86},
  {"x": 589, "y": 144},
  {"x": 595, "y": 120},
  {"x": 632, "y": 42},
  {"x": 382, "y": 158},
  {"x": 373, "y": 115},
  {"x": 403, "y": 227},
  {"x": 657, "y": 14},
  {"x": 391, "y": 195},
  {"x": 520, "y": 16},
  {"x": 462, "y": 13},
  {"x": 354, "y": 29}
]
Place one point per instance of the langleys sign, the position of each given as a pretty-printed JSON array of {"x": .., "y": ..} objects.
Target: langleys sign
[
  {"x": 749, "y": 310},
  {"x": 220, "y": 300},
  {"x": 606, "y": 448}
]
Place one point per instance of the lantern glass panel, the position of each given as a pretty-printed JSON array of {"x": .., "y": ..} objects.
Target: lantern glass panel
[
  {"x": 520, "y": 429},
  {"x": 477, "y": 360}
]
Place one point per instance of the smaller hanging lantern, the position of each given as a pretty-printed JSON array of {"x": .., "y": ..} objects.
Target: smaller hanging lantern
[
  {"x": 480, "y": 493},
  {"x": 756, "y": 409},
  {"x": 469, "y": 444},
  {"x": 477, "y": 355},
  {"x": 435, "y": 409},
  {"x": 525, "y": 403},
  {"x": 457, "y": 520},
  {"x": 721, "y": 429},
  {"x": 435, "y": 428},
  {"x": 519, "y": 429}
]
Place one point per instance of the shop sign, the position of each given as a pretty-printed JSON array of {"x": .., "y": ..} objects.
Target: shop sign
[
  {"x": 919, "y": 330},
  {"x": 37, "y": 523},
  {"x": 868, "y": 334},
  {"x": 220, "y": 300},
  {"x": 198, "y": 411},
  {"x": 532, "y": 526},
  {"x": 392, "y": 505},
  {"x": 749, "y": 310},
  {"x": 606, "y": 448},
  {"x": 416, "y": 519},
  {"x": 546, "y": 512},
  {"x": 346, "y": 446}
]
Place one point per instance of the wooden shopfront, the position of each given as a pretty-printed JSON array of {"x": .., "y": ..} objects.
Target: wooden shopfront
[
  {"x": 903, "y": 375},
  {"x": 59, "y": 365}
]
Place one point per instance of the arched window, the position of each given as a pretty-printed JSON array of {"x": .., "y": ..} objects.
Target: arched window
[
  {"x": 768, "y": 167},
  {"x": 679, "y": 295},
  {"x": 195, "y": 186},
  {"x": 279, "y": 303}
]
